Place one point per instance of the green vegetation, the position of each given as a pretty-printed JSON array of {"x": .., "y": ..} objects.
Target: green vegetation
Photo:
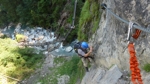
[
  {"x": 72, "y": 68},
  {"x": 20, "y": 37},
  {"x": 147, "y": 67},
  {"x": 46, "y": 13},
  {"x": 2, "y": 35},
  {"x": 32, "y": 12},
  {"x": 42, "y": 13},
  {"x": 89, "y": 20},
  {"x": 17, "y": 62},
  {"x": 21, "y": 62}
]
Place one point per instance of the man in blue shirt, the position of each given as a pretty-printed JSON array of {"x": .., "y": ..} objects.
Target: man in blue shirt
[{"x": 85, "y": 52}]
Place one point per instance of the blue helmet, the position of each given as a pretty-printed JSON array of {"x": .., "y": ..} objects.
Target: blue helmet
[{"x": 84, "y": 45}]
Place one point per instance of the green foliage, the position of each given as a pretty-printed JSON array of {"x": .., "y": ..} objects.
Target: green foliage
[
  {"x": 147, "y": 67},
  {"x": 96, "y": 13},
  {"x": 78, "y": 75},
  {"x": 4, "y": 17},
  {"x": 72, "y": 36},
  {"x": 3, "y": 36},
  {"x": 40, "y": 12},
  {"x": 9, "y": 10},
  {"x": 20, "y": 37},
  {"x": 43, "y": 13},
  {"x": 57, "y": 60},
  {"x": 72, "y": 68},
  {"x": 84, "y": 18},
  {"x": 89, "y": 20},
  {"x": 85, "y": 14},
  {"x": 17, "y": 62},
  {"x": 31, "y": 12}
]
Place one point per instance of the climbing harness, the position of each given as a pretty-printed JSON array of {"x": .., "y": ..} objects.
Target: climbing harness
[{"x": 135, "y": 71}]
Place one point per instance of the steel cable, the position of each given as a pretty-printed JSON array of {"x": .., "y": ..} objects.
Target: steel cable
[{"x": 135, "y": 26}]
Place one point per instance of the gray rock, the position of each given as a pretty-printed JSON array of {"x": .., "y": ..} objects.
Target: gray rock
[
  {"x": 93, "y": 76},
  {"x": 64, "y": 79},
  {"x": 101, "y": 76},
  {"x": 68, "y": 49},
  {"x": 111, "y": 76}
]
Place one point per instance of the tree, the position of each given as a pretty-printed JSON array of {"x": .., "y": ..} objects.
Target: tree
[{"x": 9, "y": 6}]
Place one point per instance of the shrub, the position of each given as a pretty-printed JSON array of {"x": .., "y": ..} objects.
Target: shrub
[
  {"x": 72, "y": 68},
  {"x": 147, "y": 67},
  {"x": 15, "y": 62},
  {"x": 89, "y": 20},
  {"x": 2, "y": 35},
  {"x": 20, "y": 38}
]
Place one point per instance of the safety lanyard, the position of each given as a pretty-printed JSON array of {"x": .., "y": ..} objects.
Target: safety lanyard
[{"x": 135, "y": 71}]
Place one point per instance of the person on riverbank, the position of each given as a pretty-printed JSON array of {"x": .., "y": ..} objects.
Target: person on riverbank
[{"x": 85, "y": 53}]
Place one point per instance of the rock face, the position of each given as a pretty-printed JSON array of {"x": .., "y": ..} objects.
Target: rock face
[
  {"x": 111, "y": 44},
  {"x": 100, "y": 76}
]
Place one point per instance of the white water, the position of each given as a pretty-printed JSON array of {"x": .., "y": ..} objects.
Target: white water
[{"x": 40, "y": 35}]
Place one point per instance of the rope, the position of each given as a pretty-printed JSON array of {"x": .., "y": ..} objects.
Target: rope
[
  {"x": 67, "y": 34},
  {"x": 74, "y": 14},
  {"x": 135, "y": 71},
  {"x": 72, "y": 26},
  {"x": 136, "y": 35},
  {"x": 135, "y": 26}
]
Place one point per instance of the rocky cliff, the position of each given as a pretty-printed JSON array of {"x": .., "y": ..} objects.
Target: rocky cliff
[{"x": 110, "y": 45}]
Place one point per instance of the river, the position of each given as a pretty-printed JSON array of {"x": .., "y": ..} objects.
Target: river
[{"x": 38, "y": 32}]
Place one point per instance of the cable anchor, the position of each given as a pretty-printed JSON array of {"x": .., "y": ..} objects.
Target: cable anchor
[{"x": 103, "y": 6}]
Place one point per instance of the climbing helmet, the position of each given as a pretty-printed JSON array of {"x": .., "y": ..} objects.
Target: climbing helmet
[{"x": 84, "y": 45}]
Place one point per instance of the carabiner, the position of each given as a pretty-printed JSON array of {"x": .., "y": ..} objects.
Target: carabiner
[{"x": 130, "y": 31}]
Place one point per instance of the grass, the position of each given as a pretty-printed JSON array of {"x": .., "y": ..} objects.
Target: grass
[
  {"x": 89, "y": 20},
  {"x": 73, "y": 68},
  {"x": 85, "y": 14},
  {"x": 17, "y": 62},
  {"x": 146, "y": 67}
]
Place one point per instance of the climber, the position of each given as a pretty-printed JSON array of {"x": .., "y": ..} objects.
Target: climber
[{"x": 85, "y": 52}]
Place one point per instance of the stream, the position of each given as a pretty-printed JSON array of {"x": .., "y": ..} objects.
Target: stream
[{"x": 43, "y": 35}]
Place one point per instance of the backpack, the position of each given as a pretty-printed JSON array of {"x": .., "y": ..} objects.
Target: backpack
[{"x": 78, "y": 46}]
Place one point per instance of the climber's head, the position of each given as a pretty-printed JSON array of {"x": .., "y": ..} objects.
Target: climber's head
[{"x": 84, "y": 45}]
